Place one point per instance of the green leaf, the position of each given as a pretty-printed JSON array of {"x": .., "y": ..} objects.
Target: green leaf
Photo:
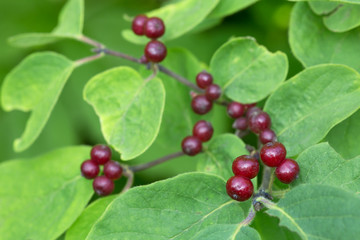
[
  {"x": 228, "y": 7},
  {"x": 312, "y": 43},
  {"x": 189, "y": 206},
  {"x": 35, "y": 85},
  {"x": 323, "y": 165},
  {"x": 338, "y": 1},
  {"x": 246, "y": 71},
  {"x": 305, "y": 108},
  {"x": 179, "y": 18},
  {"x": 119, "y": 96},
  {"x": 41, "y": 197},
  {"x": 319, "y": 212}
]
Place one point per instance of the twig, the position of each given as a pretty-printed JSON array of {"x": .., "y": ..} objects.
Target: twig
[
  {"x": 87, "y": 59},
  {"x": 150, "y": 164},
  {"x": 90, "y": 41},
  {"x": 130, "y": 180}
]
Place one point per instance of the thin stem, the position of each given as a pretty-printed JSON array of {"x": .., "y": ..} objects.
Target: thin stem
[
  {"x": 150, "y": 164},
  {"x": 118, "y": 54},
  {"x": 130, "y": 180},
  {"x": 241, "y": 134},
  {"x": 249, "y": 217},
  {"x": 90, "y": 41},
  {"x": 87, "y": 59},
  {"x": 266, "y": 179},
  {"x": 154, "y": 68}
]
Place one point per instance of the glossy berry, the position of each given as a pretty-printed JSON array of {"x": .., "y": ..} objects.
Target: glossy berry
[
  {"x": 266, "y": 136},
  {"x": 89, "y": 169},
  {"x": 246, "y": 166},
  {"x": 138, "y": 24},
  {"x": 191, "y": 145},
  {"x": 251, "y": 111},
  {"x": 235, "y": 109},
  {"x": 154, "y": 28},
  {"x": 213, "y": 92},
  {"x": 113, "y": 170},
  {"x": 272, "y": 154},
  {"x": 103, "y": 185},
  {"x": 204, "y": 79},
  {"x": 155, "y": 51},
  {"x": 259, "y": 122},
  {"x": 203, "y": 130},
  {"x": 240, "y": 123},
  {"x": 287, "y": 171},
  {"x": 201, "y": 105},
  {"x": 239, "y": 188},
  {"x": 101, "y": 154}
]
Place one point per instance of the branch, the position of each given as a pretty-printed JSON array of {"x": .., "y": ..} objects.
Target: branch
[
  {"x": 87, "y": 59},
  {"x": 150, "y": 164}
]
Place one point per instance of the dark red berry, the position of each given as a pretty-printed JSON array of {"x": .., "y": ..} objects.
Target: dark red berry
[
  {"x": 103, "y": 185},
  {"x": 249, "y": 105},
  {"x": 143, "y": 59},
  {"x": 245, "y": 166},
  {"x": 272, "y": 154},
  {"x": 154, "y": 27},
  {"x": 204, "y": 79},
  {"x": 213, "y": 92},
  {"x": 287, "y": 171},
  {"x": 240, "y": 123},
  {"x": 138, "y": 24},
  {"x": 203, "y": 130},
  {"x": 259, "y": 122},
  {"x": 201, "y": 105},
  {"x": 251, "y": 111},
  {"x": 235, "y": 109},
  {"x": 191, "y": 145},
  {"x": 89, "y": 169},
  {"x": 266, "y": 136},
  {"x": 100, "y": 154},
  {"x": 239, "y": 188},
  {"x": 155, "y": 51},
  {"x": 113, "y": 170}
]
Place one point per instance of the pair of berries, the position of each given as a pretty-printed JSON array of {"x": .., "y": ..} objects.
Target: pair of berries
[
  {"x": 202, "y": 132},
  {"x": 155, "y": 51},
  {"x": 101, "y": 155},
  {"x": 202, "y": 104}
]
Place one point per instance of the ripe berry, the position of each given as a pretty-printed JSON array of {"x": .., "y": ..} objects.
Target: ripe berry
[
  {"x": 204, "y": 79},
  {"x": 240, "y": 123},
  {"x": 103, "y": 186},
  {"x": 201, "y": 105},
  {"x": 113, "y": 170},
  {"x": 203, "y": 130},
  {"x": 138, "y": 24},
  {"x": 154, "y": 27},
  {"x": 239, "y": 188},
  {"x": 287, "y": 171},
  {"x": 191, "y": 145},
  {"x": 249, "y": 105},
  {"x": 266, "y": 136},
  {"x": 245, "y": 166},
  {"x": 251, "y": 111},
  {"x": 235, "y": 109},
  {"x": 89, "y": 169},
  {"x": 213, "y": 92},
  {"x": 100, "y": 154},
  {"x": 155, "y": 51},
  {"x": 259, "y": 122},
  {"x": 272, "y": 154}
]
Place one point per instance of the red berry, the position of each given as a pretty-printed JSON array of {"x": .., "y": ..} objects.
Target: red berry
[
  {"x": 100, "y": 154},
  {"x": 213, "y": 92},
  {"x": 266, "y": 136},
  {"x": 103, "y": 186},
  {"x": 259, "y": 122},
  {"x": 155, "y": 51},
  {"x": 272, "y": 154},
  {"x": 251, "y": 111},
  {"x": 154, "y": 27},
  {"x": 204, "y": 79},
  {"x": 201, "y": 105},
  {"x": 191, "y": 145},
  {"x": 235, "y": 109},
  {"x": 113, "y": 170},
  {"x": 203, "y": 130},
  {"x": 287, "y": 171},
  {"x": 89, "y": 169},
  {"x": 138, "y": 24},
  {"x": 240, "y": 123},
  {"x": 239, "y": 188},
  {"x": 245, "y": 166},
  {"x": 249, "y": 105}
]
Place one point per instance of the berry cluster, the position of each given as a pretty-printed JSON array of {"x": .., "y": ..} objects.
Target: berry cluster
[
  {"x": 202, "y": 132},
  {"x": 101, "y": 155},
  {"x": 153, "y": 28}
]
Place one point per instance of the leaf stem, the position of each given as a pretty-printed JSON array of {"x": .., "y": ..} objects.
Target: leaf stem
[
  {"x": 90, "y": 41},
  {"x": 130, "y": 180},
  {"x": 82, "y": 61},
  {"x": 155, "y": 162}
]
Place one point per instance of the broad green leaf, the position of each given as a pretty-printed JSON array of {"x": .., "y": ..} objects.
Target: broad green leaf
[
  {"x": 345, "y": 137},
  {"x": 189, "y": 206},
  {"x": 319, "y": 212},
  {"x": 246, "y": 71},
  {"x": 312, "y": 43},
  {"x": 130, "y": 109},
  {"x": 81, "y": 227},
  {"x": 179, "y": 18},
  {"x": 338, "y": 1},
  {"x": 41, "y": 197},
  {"x": 228, "y": 7},
  {"x": 35, "y": 85},
  {"x": 323, "y": 165},
  {"x": 305, "y": 108}
]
